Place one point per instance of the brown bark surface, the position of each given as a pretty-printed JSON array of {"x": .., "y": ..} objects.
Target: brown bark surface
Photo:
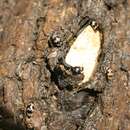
[{"x": 30, "y": 76}]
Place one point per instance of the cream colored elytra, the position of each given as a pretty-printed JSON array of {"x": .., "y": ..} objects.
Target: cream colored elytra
[{"x": 84, "y": 51}]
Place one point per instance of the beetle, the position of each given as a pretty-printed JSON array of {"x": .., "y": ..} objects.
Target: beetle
[{"x": 30, "y": 109}]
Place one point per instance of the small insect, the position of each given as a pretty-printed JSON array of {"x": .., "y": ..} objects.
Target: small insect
[
  {"x": 77, "y": 70},
  {"x": 55, "y": 40},
  {"x": 30, "y": 109},
  {"x": 86, "y": 21},
  {"x": 109, "y": 73},
  {"x": 94, "y": 24}
]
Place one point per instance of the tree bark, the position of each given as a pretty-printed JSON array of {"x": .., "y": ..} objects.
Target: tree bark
[{"x": 32, "y": 93}]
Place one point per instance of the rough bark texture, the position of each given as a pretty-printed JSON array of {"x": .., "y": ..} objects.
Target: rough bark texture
[{"x": 29, "y": 75}]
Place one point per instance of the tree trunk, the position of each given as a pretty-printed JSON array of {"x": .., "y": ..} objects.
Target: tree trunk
[{"x": 34, "y": 91}]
